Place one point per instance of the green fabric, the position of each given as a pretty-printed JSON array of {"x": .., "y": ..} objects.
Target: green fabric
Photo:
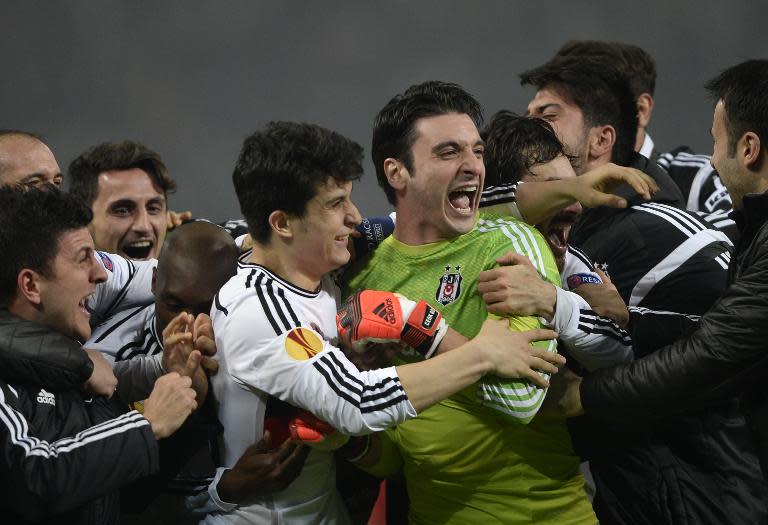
[{"x": 472, "y": 458}]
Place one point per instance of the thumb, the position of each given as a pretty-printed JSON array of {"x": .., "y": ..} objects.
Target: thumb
[
  {"x": 193, "y": 363},
  {"x": 603, "y": 276}
]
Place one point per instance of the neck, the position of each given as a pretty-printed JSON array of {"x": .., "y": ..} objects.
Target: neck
[
  {"x": 279, "y": 260},
  {"x": 414, "y": 230}
]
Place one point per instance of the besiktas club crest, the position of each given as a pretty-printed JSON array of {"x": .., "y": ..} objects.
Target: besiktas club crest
[{"x": 450, "y": 286}]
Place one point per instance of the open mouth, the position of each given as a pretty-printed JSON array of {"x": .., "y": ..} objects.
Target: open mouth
[
  {"x": 463, "y": 199},
  {"x": 138, "y": 250},
  {"x": 82, "y": 305},
  {"x": 342, "y": 238}
]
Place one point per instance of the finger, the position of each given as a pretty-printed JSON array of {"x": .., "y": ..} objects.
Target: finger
[
  {"x": 541, "y": 365},
  {"x": 606, "y": 199},
  {"x": 489, "y": 285},
  {"x": 512, "y": 258},
  {"x": 537, "y": 379},
  {"x": 177, "y": 338},
  {"x": 211, "y": 366},
  {"x": 551, "y": 357},
  {"x": 202, "y": 326},
  {"x": 496, "y": 297},
  {"x": 602, "y": 275},
  {"x": 206, "y": 345},
  {"x": 498, "y": 308},
  {"x": 193, "y": 363},
  {"x": 184, "y": 216},
  {"x": 541, "y": 334}
]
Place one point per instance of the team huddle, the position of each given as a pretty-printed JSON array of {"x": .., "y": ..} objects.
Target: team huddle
[{"x": 556, "y": 324}]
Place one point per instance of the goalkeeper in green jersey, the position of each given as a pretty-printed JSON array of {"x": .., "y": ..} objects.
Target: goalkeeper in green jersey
[{"x": 488, "y": 454}]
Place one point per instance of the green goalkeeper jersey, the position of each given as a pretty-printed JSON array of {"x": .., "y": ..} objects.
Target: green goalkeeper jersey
[{"x": 479, "y": 456}]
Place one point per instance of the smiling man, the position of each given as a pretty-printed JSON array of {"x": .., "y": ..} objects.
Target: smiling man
[
  {"x": 126, "y": 185},
  {"x": 482, "y": 455},
  {"x": 274, "y": 318},
  {"x": 27, "y": 161},
  {"x": 65, "y": 452}
]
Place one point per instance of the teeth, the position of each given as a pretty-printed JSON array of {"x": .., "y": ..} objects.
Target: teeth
[
  {"x": 467, "y": 188},
  {"x": 140, "y": 244}
]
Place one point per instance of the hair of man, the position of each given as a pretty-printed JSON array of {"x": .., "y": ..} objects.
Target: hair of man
[
  {"x": 514, "y": 143},
  {"x": 637, "y": 66},
  {"x": 742, "y": 89},
  {"x": 31, "y": 223},
  {"x": 281, "y": 166},
  {"x": 599, "y": 90},
  {"x": 84, "y": 171},
  {"x": 394, "y": 128},
  {"x": 197, "y": 259}
]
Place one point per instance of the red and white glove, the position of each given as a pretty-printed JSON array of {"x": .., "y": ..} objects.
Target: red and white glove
[
  {"x": 314, "y": 432},
  {"x": 383, "y": 317}
]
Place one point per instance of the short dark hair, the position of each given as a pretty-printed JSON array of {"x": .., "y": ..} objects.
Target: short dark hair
[
  {"x": 632, "y": 61},
  {"x": 31, "y": 223},
  {"x": 513, "y": 144},
  {"x": 599, "y": 90},
  {"x": 743, "y": 88},
  {"x": 394, "y": 128},
  {"x": 83, "y": 172},
  {"x": 281, "y": 167}
]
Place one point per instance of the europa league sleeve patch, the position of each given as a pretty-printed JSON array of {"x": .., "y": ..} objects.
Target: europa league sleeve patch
[
  {"x": 302, "y": 344},
  {"x": 106, "y": 261}
]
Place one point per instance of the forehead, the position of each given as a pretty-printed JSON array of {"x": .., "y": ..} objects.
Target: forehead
[
  {"x": 718, "y": 119},
  {"x": 556, "y": 169},
  {"x": 451, "y": 127},
  {"x": 550, "y": 97},
  {"x": 21, "y": 156},
  {"x": 71, "y": 242},
  {"x": 332, "y": 188},
  {"x": 133, "y": 184}
]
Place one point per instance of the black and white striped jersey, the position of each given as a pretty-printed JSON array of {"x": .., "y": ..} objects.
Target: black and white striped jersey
[
  {"x": 659, "y": 257},
  {"x": 267, "y": 346},
  {"x": 594, "y": 341},
  {"x": 697, "y": 179},
  {"x": 128, "y": 284}
]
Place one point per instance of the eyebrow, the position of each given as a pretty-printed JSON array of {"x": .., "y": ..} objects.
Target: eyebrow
[
  {"x": 544, "y": 107},
  {"x": 452, "y": 143}
]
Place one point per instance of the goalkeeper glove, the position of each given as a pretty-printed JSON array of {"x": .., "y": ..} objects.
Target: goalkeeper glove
[
  {"x": 371, "y": 315},
  {"x": 314, "y": 432}
]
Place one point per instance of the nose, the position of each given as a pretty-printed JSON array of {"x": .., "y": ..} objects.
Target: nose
[
  {"x": 574, "y": 208},
  {"x": 141, "y": 221},
  {"x": 98, "y": 273},
  {"x": 353, "y": 216},
  {"x": 473, "y": 163}
]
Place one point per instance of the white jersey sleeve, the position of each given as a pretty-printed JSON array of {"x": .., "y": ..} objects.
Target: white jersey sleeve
[
  {"x": 129, "y": 283},
  {"x": 299, "y": 367}
]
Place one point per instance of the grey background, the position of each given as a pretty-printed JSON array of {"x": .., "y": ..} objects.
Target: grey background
[{"x": 192, "y": 79}]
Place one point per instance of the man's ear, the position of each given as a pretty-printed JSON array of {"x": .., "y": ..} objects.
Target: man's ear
[
  {"x": 280, "y": 222},
  {"x": 751, "y": 150},
  {"x": 644, "y": 109},
  {"x": 601, "y": 141},
  {"x": 28, "y": 286},
  {"x": 396, "y": 173}
]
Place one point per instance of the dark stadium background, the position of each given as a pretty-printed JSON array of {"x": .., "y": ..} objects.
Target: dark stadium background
[{"x": 191, "y": 79}]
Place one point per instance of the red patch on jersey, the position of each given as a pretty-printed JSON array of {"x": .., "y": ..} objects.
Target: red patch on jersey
[{"x": 106, "y": 261}]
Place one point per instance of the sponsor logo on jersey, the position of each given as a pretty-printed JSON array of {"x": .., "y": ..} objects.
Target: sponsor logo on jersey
[
  {"x": 386, "y": 311},
  {"x": 577, "y": 279},
  {"x": 106, "y": 261},
  {"x": 449, "y": 288},
  {"x": 302, "y": 344},
  {"x": 46, "y": 397}
]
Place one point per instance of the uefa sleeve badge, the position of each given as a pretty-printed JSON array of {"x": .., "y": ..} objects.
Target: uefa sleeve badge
[{"x": 302, "y": 344}]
